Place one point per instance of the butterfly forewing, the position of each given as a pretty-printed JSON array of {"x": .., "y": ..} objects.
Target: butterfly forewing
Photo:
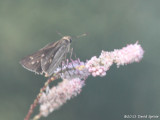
[
  {"x": 49, "y": 64},
  {"x": 47, "y": 59}
]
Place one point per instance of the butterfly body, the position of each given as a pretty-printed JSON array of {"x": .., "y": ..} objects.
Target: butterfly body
[{"x": 47, "y": 59}]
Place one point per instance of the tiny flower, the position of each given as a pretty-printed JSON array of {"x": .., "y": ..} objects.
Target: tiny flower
[
  {"x": 94, "y": 74},
  {"x": 90, "y": 69},
  {"x": 102, "y": 74},
  {"x": 100, "y": 70},
  {"x": 97, "y": 73},
  {"x": 93, "y": 69}
]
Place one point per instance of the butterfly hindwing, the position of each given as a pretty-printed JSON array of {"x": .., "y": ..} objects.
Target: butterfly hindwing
[
  {"x": 46, "y": 61},
  {"x": 53, "y": 62},
  {"x": 32, "y": 62}
]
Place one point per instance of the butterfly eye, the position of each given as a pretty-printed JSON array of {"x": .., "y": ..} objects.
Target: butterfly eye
[{"x": 70, "y": 40}]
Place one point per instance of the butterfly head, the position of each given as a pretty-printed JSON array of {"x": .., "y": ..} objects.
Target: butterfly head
[{"x": 67, "y": 38}]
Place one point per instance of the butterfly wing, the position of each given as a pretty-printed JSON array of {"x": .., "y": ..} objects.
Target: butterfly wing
[
  {"x": 33, "y": 62},
  {"x": 54, "y": 57}
]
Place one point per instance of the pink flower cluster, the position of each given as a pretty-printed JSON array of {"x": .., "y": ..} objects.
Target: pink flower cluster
[
  {"x": 75, "y": 73},
  {"x": 75, "y": 69},
  {"x": 57, "y": 96},
  {"x": 129, "y": 54}
]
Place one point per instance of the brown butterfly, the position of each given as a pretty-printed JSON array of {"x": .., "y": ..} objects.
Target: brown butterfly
[{"x": 47, "y": 59}]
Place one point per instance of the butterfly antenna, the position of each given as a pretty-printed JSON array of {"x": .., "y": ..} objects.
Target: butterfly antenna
[
  {"x": 82, "y": 35},
  {"x": 59, "y": 33}
]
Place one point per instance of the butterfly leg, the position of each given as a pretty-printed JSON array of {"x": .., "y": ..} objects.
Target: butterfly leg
[
  {"x": 66, "y": 63},
  {"x": 61, "y": 67},
  {"x": 72, "y": 59},
  {"x": 71, "y": 51}
]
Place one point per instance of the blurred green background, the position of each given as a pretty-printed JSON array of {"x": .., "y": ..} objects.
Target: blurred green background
[{"x": 27, "y": 25}]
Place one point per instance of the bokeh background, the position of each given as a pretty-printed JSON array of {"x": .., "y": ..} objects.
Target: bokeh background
[{"x": 27, "y": 25}]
